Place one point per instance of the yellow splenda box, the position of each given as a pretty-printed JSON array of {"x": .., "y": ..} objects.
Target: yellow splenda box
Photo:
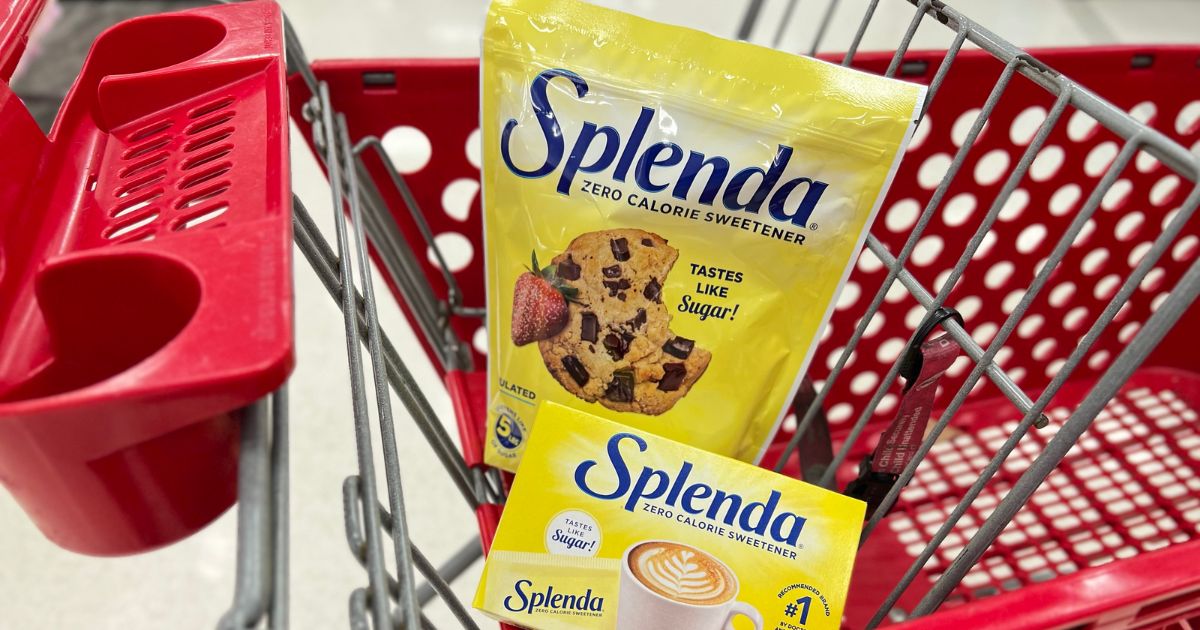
[
  {"x": 668, "y": 218},
  {"x": 613, "y": 527}
]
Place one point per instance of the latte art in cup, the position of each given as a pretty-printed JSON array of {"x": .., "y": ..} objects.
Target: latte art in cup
[{"x": 682, "y": 573}]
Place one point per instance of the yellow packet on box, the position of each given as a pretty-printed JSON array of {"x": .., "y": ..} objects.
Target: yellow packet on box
[
  {"x": 611, "y": 527},
  {"x": 668, "y": 218}
]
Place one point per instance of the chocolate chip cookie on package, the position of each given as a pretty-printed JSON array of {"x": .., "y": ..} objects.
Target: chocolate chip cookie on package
[{"x": 617, "y": 347}]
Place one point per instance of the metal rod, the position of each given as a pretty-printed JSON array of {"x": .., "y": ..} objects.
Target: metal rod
[
  {"x": 858, "y": 35},
  {"x": 783, "y": 22},
  {"x": 376, "y": 571},
  {"x": 279, "y": 616},
  {"x": 1160, "y": 322},
  {"x": 749, "y": 19},
  {"x": 943, "y": 69},
  {"x": 453, "y": 567},
  {"x": 383, "y": 401},
  {"x": 297, "y": 60},
  {"x": 906, "y": 41},
  {"x": 251, "y": 587},
  {"x": 995, "y": 373},
  {"x": 323, "y": 261},
  {"x": 414, "y": 209},
  {"x": 441, "y": 587},
  {"x": 400, "y": 263},
  {"x": 823, "y": 27}
]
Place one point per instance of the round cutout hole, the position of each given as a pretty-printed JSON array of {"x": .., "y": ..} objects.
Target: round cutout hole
[
  {"x": 1030, "y": 238},
  {"x": 998, "y": 275},
  {"x": 479, "y": 340},
  {"x": 1144, "y": 112},
  {"x": 475, "y": 149},
  {"x": 991, "y": 167},
  {"x": 959, "y": 209},
  {"x": 1026, "y": 124},
  {"x": 921, "y": 134},
  {"x": 1117, "y": 195},
  {"x": 927, "y": 250},
  {"x": 1081, "y": 126},
  {"x": 903, "y": 215},
  {"x": 1014, "y": 205},
  {"x": 1129, "y": 226},
  {"x": 1064, "y": 199},
  {"x": 1099, "y": 158},
  {"x": 455, "y": 248},
  {"x": 408, "y": 148},
  {"x": 933, "y": 170},
  {"x": 1164, "y": 189},
  {"x": 458, "y": 196},
  {"x": 869, "y": 262},
  {"x": 962, "y": 127},
  {"x": 1047, "y": 163},
  {"x": 1188, "y": 121}
]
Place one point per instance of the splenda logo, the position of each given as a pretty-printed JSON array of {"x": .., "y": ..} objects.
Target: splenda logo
[
  {"x": 527, "y": 602},
  {"x": 653, "y": 169},
  {"x": 694, "y": 497}
]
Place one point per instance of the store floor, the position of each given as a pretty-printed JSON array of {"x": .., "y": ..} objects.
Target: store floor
[{"x": 190, "y": 584}]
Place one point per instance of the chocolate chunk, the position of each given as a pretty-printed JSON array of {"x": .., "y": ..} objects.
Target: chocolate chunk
[
  {"x": 653, "y": 290},
  {"x": 589, "y": 328},
  {"x": 575, "y": 369},
  {"x": 647, "y": 242},
  {"x": 616, "y": 286},
  {"x": 620, "y": 389},
  {"x": 568, "y": 269},
  {"x": 617, "y": 345},
  {"x": 638, "y": 320},
  {"x": 673, "y": 375},
  {"x": 620, "y": 248},
  {"x": 679, "y": 347},
  {"x": 612, "y": 272},
  {"x": 621, "y": 296}
]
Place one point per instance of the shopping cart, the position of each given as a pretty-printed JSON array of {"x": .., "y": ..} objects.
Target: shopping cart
[{"x": 1055, "y": 218}]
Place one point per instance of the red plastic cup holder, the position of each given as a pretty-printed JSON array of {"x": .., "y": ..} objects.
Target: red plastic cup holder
[{"x": 145, "y": 277}]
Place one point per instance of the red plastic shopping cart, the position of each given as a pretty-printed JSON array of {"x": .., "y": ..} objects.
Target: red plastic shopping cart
[
  {"x": 1056, "y": 218},
  {"x": 1123, "y": 500},
  {"x": 145, "y": 275}
]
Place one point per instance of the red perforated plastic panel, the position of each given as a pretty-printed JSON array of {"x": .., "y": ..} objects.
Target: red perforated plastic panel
[{"x": 1128, "y": 488}]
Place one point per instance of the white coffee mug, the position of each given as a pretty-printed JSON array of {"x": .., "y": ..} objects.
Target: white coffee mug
[{"x": 640, "y": 608}]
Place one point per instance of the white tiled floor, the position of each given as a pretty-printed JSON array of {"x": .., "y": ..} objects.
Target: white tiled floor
[{"x": 189, "y": 584}]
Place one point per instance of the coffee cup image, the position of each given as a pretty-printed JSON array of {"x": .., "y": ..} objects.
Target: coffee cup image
[{"x": 667, "y": 584}]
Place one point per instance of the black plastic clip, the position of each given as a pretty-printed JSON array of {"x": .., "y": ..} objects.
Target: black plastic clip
[
  {"x": 870, "y": 487},
  {"x": 911, "y": 362}
]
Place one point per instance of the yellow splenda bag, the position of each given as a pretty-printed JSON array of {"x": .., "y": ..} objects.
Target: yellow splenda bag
[{"x": 668, "y": 219}]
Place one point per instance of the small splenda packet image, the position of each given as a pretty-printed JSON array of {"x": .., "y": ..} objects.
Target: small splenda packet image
[
  {"x": 612, "y": 527},
  {"x": 668, "y": 219}
]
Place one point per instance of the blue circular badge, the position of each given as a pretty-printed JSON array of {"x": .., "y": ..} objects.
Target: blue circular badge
[{"x": 509, "y": 431}]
